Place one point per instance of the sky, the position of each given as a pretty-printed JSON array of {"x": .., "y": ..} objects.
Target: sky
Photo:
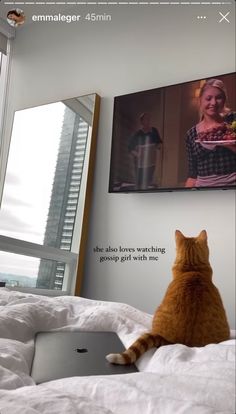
[{"x": 29, "y": 179}]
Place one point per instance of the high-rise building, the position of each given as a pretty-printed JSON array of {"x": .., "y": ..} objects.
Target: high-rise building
[{"x": 64, "y": 196}]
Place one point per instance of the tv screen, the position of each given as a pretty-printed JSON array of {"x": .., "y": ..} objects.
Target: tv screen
[{"x": 177, "y": 137}]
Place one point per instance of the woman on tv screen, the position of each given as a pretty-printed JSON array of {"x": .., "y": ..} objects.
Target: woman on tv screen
[{"x": 210, "y": 144}]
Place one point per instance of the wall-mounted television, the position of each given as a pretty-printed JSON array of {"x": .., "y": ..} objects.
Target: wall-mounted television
[{"x": 176, "y": 137}]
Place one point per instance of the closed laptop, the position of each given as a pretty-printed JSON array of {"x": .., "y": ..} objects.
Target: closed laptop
[{"x": 68, "y": 354}]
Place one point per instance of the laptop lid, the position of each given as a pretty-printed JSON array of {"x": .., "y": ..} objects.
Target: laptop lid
[{"x": 68, "y": 354}]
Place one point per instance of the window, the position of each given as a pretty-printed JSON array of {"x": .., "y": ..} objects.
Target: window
[
  {"x": 39, "y": 206},
  {"x": 6, "y": 34},
  {"x": 3, "y": 84}
]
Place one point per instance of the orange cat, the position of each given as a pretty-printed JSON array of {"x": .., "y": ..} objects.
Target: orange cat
[{"x": 192, "y": 311}]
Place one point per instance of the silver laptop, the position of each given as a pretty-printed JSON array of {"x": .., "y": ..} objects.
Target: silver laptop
[{"x": 68, "y": 354}]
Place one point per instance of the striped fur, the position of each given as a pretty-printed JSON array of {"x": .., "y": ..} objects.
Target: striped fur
[
  {"x": 138, "y": 348},
  {"x": 191, "y": 312}
]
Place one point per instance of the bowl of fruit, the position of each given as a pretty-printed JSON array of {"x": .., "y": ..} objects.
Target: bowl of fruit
[{"x": 224, "y": 134}]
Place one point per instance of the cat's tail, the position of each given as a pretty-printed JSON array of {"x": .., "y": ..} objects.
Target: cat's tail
[{"x": 138, "y": 348}]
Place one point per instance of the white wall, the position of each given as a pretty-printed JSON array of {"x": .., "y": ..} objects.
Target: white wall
[{"x": 136, "y": 51}]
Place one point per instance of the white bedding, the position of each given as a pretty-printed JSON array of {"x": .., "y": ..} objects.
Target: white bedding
[{"x": 172, "y": 380}]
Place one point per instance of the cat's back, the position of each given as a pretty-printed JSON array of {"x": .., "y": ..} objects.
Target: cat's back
[{"x": 192, "y": 312}]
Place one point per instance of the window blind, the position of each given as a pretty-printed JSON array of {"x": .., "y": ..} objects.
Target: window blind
[
  {"x": 6, "y": 32},
  {"x": 3, "y": 43}
]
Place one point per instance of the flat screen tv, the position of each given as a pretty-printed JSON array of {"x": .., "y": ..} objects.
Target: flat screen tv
[{"x": 177, "y": 137}]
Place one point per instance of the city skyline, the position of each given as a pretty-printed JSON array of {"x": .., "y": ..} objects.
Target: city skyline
[
  {"x": 27, "y": 188},
  {"x": 57, "y": 212}
]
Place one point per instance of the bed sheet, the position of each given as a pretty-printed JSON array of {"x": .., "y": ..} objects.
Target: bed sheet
[{"x": 174, "y": 379}]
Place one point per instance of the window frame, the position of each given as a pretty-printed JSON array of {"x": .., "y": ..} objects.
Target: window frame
[
  {"x": 24, "y": 248},
  {"x": 74, "y": 271},
  {"x": 8, "y": 32}
]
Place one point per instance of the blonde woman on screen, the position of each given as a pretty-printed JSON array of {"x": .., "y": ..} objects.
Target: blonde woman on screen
[{"x": 210, "y": 144}]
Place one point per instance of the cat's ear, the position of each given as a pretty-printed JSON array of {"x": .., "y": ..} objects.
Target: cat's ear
[
  {"x": 202, "y": 236},
  {"x": 178, "y": 235}
]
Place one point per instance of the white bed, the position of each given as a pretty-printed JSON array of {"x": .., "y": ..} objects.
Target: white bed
[{"x": 172, "y": 380}]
